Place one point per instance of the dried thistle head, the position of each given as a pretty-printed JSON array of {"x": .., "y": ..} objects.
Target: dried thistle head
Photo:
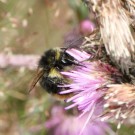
[
  {"x": 130, "y": 6},
  {"x": 115, "y": 18},
  {"x": 120, "y": 102},
  {"x": 93, "y": 45}
]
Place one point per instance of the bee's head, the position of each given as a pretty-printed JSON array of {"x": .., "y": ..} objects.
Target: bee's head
[{"x": 48, "y": 60}]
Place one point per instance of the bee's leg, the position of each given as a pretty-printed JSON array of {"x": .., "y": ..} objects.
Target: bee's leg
[
  {"x": 68, "y": 60},
  {"x": 74, "y": 62}
]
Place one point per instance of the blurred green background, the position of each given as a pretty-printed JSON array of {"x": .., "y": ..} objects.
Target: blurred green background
[{"x": 30, "y": 27}]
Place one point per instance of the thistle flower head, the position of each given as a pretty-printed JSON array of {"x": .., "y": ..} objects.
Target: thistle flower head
[
  {"x": 120, "y": 101},
  {"x": 86, "y": 27},
  {"x": 70, "y": 125},
  {"x": 89, "y": 84}
]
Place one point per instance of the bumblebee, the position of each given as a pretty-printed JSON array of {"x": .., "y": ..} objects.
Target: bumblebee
[{"x": 51, "y": 63}]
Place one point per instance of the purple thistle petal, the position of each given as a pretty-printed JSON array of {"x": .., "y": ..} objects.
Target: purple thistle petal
[
  {"x": 72, "y": 125},
  {"x": 71, "y": 106},
  {"x": 77, "y": 55},
  {"x": 87, "y": 120},
  {"x": 88, "y": 83}
]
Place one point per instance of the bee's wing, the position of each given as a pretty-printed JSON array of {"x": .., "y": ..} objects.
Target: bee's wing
[{"x": 38, "y": 75}]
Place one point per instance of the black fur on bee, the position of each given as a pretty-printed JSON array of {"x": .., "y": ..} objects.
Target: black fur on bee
[{"x": 51, "y": 63}]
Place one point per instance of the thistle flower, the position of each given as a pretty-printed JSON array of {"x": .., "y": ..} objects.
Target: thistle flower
[
  {"x": 96, "y": 86},
  {"x": 75, "y": 37},
  {"x": 120, "y": 101},
  {"x": 63, "y": 124},
  {"x": 90, "y": 85},
  {"x": 86, "y": 27},
  {"x": 115, "y": 18}
]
